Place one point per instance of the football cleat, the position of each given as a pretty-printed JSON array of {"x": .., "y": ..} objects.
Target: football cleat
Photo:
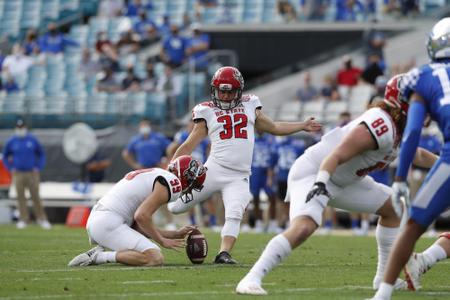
[
  {"x": 377, "y": 298},
  {"x": 86, "y": 259},
  {"x": 224, "y": 258},
  {"x": 399, "y": 285},
  {"x": 247, "y": 287},
  {"x": 413, "y": 270}
]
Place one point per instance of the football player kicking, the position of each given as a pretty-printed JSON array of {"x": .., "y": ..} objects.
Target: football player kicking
[
  {"x": 428, "y": 90},
  {"x": 419, "y": 263},
  {"x": 122, "y": 219},
  {"x": 229, "y": 120},
  {"x": 333, "y": 172}
]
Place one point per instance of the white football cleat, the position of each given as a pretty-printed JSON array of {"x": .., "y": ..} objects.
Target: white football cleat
[
  {"x": 377, "y": 298},
  {"x": 44, "y": 224},
  {"x": 399, "y": 285},
  {"x": 413, "y": 270},
  {"x": 21, "y": 225},
  {"x": 86, "y": 259},
  {"x": 247, "y": 287}
]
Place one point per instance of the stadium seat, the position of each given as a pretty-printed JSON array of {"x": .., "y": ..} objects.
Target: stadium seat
[
  {"x": 314, "y": 109},
  {"x": 156, "y": 108},
  {"x": 253, "y": 15},
  {"x": 50, "y": 9},
  {"x": 333, "y": 109},
  {"x": 359, "y": 97},
  {"x": 290, "y": 111},
  {"x": 135, "y": 103}
]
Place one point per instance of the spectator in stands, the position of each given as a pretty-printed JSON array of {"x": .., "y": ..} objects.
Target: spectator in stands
[
  {"x": 54, "y": 41},
  {"x": 380, "y": 86},
  {"x": 150, "y": 82},
  {"x": 375, "y": 42},
  {"x": 197, "y": 48},
  {"x": 348, "y": 75},
  {"x": 409, "y": 7},
  {"x": 349, "y": 10},
  {"x": 24, "y": 157},
  {"x": 108, "y": 83},
  {"x": 10, "y": 86},
  {"x": 164, "y": 28},
  {"x": 131, "y": 82},
  {"x": 107, "y": 51},
  {"x": 207, "y": 3},
  {"x": 96, "y": 167},
  {"x": 146, "y": 29},
  {"x": 108, "y": 8},
  {"x": 329, "y": 90},
  {"x": 287, "y": 11},
  {"x": 373, "y": 69},
  {"x": 173, "y": 51},
  {"x": 134, "y": 7},
  {"x": 128, "y": 43},
  {"x": 89, "y": 66},
  {"x": 318, "y": 9},
  {"x": 170, "y": 84},
  {"x": 30, "y": 43},
  {"x": 308, "y": 91},
  {"x": 16, "y": 64},
  {"x": 147, "y": 149}
]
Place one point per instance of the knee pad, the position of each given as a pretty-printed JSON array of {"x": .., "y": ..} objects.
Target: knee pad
[
  {"x": 445, "y": 235},
  {"x": 231, "y": 227}
]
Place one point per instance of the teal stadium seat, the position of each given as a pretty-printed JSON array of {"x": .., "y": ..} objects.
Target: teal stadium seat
[
  {"x": 50, "y": 10},
  {"x": 156, "y": 108}
]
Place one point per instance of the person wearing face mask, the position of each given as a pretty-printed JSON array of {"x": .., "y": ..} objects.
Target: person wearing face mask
[
  {"x": 24, "y": 157},
  {"x": 147, "y": 149},
  {"x": 54, "y": 42},
  {"x": 173, "y": 51}
]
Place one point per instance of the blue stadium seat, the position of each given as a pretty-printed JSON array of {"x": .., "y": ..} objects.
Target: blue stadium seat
[{"x": 135, "y": 103}]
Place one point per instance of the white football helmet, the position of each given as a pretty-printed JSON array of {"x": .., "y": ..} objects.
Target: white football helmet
[{"x": 438, "y": 44}]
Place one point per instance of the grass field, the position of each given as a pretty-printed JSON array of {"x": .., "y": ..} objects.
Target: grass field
[{"x": 33, "y": 265}]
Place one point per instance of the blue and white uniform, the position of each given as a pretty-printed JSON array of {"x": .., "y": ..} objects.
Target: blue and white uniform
[
  {"x": 263, "y": 161},
  {"x": 432, "y": 83}
]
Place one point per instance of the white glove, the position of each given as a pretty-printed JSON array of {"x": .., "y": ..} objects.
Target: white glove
[{"x": 400, "y": 197}]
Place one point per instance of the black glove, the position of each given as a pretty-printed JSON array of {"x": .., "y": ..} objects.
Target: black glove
[{"x": 318, "y": 189}]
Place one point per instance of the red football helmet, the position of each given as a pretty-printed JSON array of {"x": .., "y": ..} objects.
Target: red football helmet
[
  {"x": 392, "y": 95},
  {"x": 191, "y": 173},
  {"x": 227, "y": 79}
]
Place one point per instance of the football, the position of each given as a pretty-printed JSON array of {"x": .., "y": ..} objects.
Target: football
[{"x": 196, "y": 247}]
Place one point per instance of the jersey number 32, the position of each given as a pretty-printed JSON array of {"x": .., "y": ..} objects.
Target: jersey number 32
[{"x": 233, "y": 125}]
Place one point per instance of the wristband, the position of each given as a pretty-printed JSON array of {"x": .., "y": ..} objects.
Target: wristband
[{"x": 323, "y": 176}]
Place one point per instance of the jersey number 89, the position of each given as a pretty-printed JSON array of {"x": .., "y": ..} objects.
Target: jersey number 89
[{"x": 379, "y": 126}]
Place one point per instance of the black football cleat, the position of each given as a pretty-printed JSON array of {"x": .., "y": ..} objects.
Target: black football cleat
[{"x": 224, "y": 258}]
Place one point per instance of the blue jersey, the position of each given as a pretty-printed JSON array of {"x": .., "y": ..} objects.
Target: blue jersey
[
  {"x": 148, "y": 151},
  {"x": 263, "y": 159},
  {"x": 200, "y": 152},
  {"x": 287, "y": 150},
  {"x": 432, "y": 83}
]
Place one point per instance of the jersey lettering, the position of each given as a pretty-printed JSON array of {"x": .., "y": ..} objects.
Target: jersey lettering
[
  {"x": 445, "y": 85},
  {"x": 233, "y": 126},
  {"x": 381, "y": 130},
  {"x": 132, "y": 174}
]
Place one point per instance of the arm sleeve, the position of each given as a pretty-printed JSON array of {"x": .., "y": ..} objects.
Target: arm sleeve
[
  {"x": 411, "y": 137},
  {"x": 200, "y": 111},
  {"x": 6, "y": 156},
  {"x": 380, "y": 127},
  {"x": 40, "y": 155}
]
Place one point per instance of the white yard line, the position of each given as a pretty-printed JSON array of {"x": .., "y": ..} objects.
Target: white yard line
[
  {"x": 149, "y": 282},
  {"x": 191, "y": 293},
  {"x": 48, "y": 279},
  {"x": 124, "y": 268}
]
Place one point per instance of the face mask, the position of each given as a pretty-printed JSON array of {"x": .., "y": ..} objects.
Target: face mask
[
  {"x": 21, "y": 132},
  {"x": 53, "y": 31},
  {"x": 145, "y": 130}
]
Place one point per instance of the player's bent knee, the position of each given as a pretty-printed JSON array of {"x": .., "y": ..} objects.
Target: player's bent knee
[
  {"x": 153, "y": 257},
  {"x": 231, "y": 227},
  {"x": 387, "y": 211}
]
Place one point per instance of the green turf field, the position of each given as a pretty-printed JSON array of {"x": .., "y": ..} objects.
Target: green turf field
[{"x": 33, "y": 266}]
